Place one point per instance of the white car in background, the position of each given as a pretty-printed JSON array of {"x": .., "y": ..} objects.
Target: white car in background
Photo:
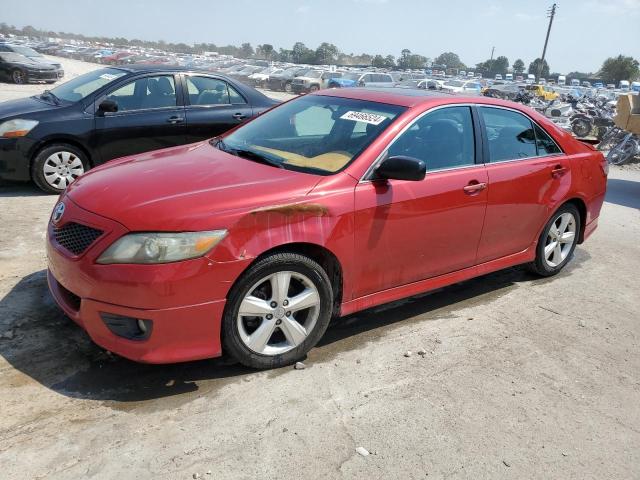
[{"x": 460, "y": 86}]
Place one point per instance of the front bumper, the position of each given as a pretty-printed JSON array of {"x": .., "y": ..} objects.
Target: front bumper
[
  {"x": 15, "y": 155},
  {"x": 299, "y": 88},
  {"x": 49, "y": 75},
  {"x": 184, "y": 300}
]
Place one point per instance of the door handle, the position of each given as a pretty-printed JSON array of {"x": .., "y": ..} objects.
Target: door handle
[
  {"x": 558, "y": 171},
  {"x": 474, "y": 187},
  {"x": 175, "y": 119},
  {"x": 239, "y": 116}
]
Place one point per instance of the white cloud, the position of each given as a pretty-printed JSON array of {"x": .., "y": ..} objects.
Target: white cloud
[{"x": 303, "y": 9}]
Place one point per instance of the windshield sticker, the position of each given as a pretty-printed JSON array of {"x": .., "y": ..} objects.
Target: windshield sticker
[
  {"x": 108, "y": 76},
  {"x": 371, "y": 118}
]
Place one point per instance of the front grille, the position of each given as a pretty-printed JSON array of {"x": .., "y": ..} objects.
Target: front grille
[{"x": 76, "y": 237}]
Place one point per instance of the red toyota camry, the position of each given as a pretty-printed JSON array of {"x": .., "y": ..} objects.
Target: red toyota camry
[{"x": 328, "y": 204}]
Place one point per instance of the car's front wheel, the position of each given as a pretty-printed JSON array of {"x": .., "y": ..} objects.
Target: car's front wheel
[
  {"x": 277, "y": 311},
  {"x": 56, "y": 166},
  {"x": 557, "y": 241},
  {"x": 18, "y": 76}
]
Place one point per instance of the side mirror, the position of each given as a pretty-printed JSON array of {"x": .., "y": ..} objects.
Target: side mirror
[
  {"x": 401, "y": 168},
  {"x": 108, "y": 106}
]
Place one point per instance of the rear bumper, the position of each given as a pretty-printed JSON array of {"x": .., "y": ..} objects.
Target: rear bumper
[{"x": 179, "y": 334}]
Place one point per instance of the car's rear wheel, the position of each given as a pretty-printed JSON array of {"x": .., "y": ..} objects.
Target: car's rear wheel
[
  {"x": 18, "y": 76},
  {"x": 277, "y": 311},
  {"x": 56, "y": 166},
  {"x": 557, "y": 241}
]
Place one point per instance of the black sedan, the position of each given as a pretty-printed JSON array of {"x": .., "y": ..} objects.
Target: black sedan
[
  {"x": 54, "y": 137},
  {"x": 17, "y": 68}
]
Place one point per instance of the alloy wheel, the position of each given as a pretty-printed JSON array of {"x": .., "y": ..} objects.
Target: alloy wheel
[
  {"x": 560, "y": 239},
  {"x": 62, "y": 168},
  {"x": 18, "y": 76},
  {"x": 278, "y": 313}
]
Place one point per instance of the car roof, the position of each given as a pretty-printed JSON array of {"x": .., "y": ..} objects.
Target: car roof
[
  {"x": 412, "y": 97},
  {"x": 406, "y": 97}
]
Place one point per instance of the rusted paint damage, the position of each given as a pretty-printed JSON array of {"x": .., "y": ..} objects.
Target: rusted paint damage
[{"x": 312, "y": 209}]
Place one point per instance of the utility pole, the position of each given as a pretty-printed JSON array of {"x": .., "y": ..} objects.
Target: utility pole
[
  {"x": 493, "y": 49},
  {"x": 550, "y": 14}
]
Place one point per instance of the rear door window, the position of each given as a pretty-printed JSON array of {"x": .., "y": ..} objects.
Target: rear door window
[
  {"x": 145, "y": 93},
  {"x": 510, "y": 134}
]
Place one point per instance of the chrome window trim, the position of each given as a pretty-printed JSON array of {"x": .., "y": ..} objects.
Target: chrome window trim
[{"x": 366, "y": 177}]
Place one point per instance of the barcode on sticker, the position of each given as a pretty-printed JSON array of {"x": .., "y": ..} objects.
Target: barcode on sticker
[{"x": 371, "y": 118}]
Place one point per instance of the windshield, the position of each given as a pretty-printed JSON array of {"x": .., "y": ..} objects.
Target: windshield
[
  {"x": 78, "y": 88},
  {"x": 26, "y": 51},
  {"x": 314, "y": 133},
  {"x": 13, "y": 57}
]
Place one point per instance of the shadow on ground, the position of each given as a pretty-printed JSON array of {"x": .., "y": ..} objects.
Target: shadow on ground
[
  {"x": 20, "y": 189},
  {"x": 52, "y": 350},
  {"x": 623, "y": 192}
]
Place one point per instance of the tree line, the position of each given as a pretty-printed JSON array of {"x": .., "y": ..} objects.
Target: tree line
[{"x": 613, "y": 69}]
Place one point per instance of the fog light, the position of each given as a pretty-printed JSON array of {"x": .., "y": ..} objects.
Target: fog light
[{"x": 127, "y": 327}]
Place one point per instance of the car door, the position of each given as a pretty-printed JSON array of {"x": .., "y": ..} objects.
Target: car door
[
  {"x": 412, "y": 230},
  {"x": 527, "y": 171},
  {"x": 212, "y": 107},
  {"x": 150, "y": 116}
]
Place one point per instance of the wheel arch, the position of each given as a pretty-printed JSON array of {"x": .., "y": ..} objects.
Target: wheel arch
[
  {"x": 58, "y": 140},
  {"x": 318, "y": 253},
  {"x": 582, "y": 209}
]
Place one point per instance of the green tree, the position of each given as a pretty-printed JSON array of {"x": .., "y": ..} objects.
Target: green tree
[
  {"x": 246, "y": 50},
  {"x": 450, "y": 59},
  {"x": 619, "y": 68},
  {"x": 518, "y": 66},
  {"x": 300, "y": 53},
  {"x": 327, "y": 53},
  {"x": 535, "y": 65}
]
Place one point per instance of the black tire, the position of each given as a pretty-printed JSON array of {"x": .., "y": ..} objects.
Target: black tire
[
  {"x": 233, "y": 345},
  {"x": 19, "y": 77},
  {"x": 581, "y": 127},
  {"x": 540, "y": 266},
  {"x": 314, "y": 88},
  {"x": 287, "y": 87},
  {"x": 38, "y": 165}
]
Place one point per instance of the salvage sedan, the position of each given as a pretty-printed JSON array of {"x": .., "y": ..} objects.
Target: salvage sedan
[
  {"x": 329, "y": 204},
  {"x": 55, "y": 137}
]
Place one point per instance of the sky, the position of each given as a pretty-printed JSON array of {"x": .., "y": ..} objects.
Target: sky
[{"x": 584, "y": 33}]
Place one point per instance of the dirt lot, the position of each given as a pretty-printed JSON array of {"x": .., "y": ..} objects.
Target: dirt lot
[{"x": 523, "y": 378}]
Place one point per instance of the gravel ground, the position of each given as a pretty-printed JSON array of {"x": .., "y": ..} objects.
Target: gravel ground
[{"x": 521, "y": 378}]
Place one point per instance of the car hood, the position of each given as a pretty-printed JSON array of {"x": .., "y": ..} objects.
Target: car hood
[
  {"x": 186, "y": 188},
  {"x": 23, "y": 106},
  {"x": 44, "y": 61}
]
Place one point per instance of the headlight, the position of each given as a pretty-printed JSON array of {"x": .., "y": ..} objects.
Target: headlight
[
  {"x": 16, "y": 128},
  {"x": 161, "y": 247}
]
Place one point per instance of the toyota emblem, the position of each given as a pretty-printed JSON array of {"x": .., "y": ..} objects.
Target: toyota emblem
[{"x": 58, "y": 212}]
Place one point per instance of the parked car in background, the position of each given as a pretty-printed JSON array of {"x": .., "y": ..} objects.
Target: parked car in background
[
  {"x": 461, "y": 86},
  {"x": 55, "y": 137},
  {"x": 32, "y": 55},
  {"x": 498, "y": 76},
  {"x": 282, "y": 81},
  {"x": 17, "y": 68},
  {"x": 313, "y": 80},
  {"x": 249, "y": 244},
  {"x": 543, "y": 92},
  {"x": 260, "y": 78},
  {"x": 362, "y": 79}
]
